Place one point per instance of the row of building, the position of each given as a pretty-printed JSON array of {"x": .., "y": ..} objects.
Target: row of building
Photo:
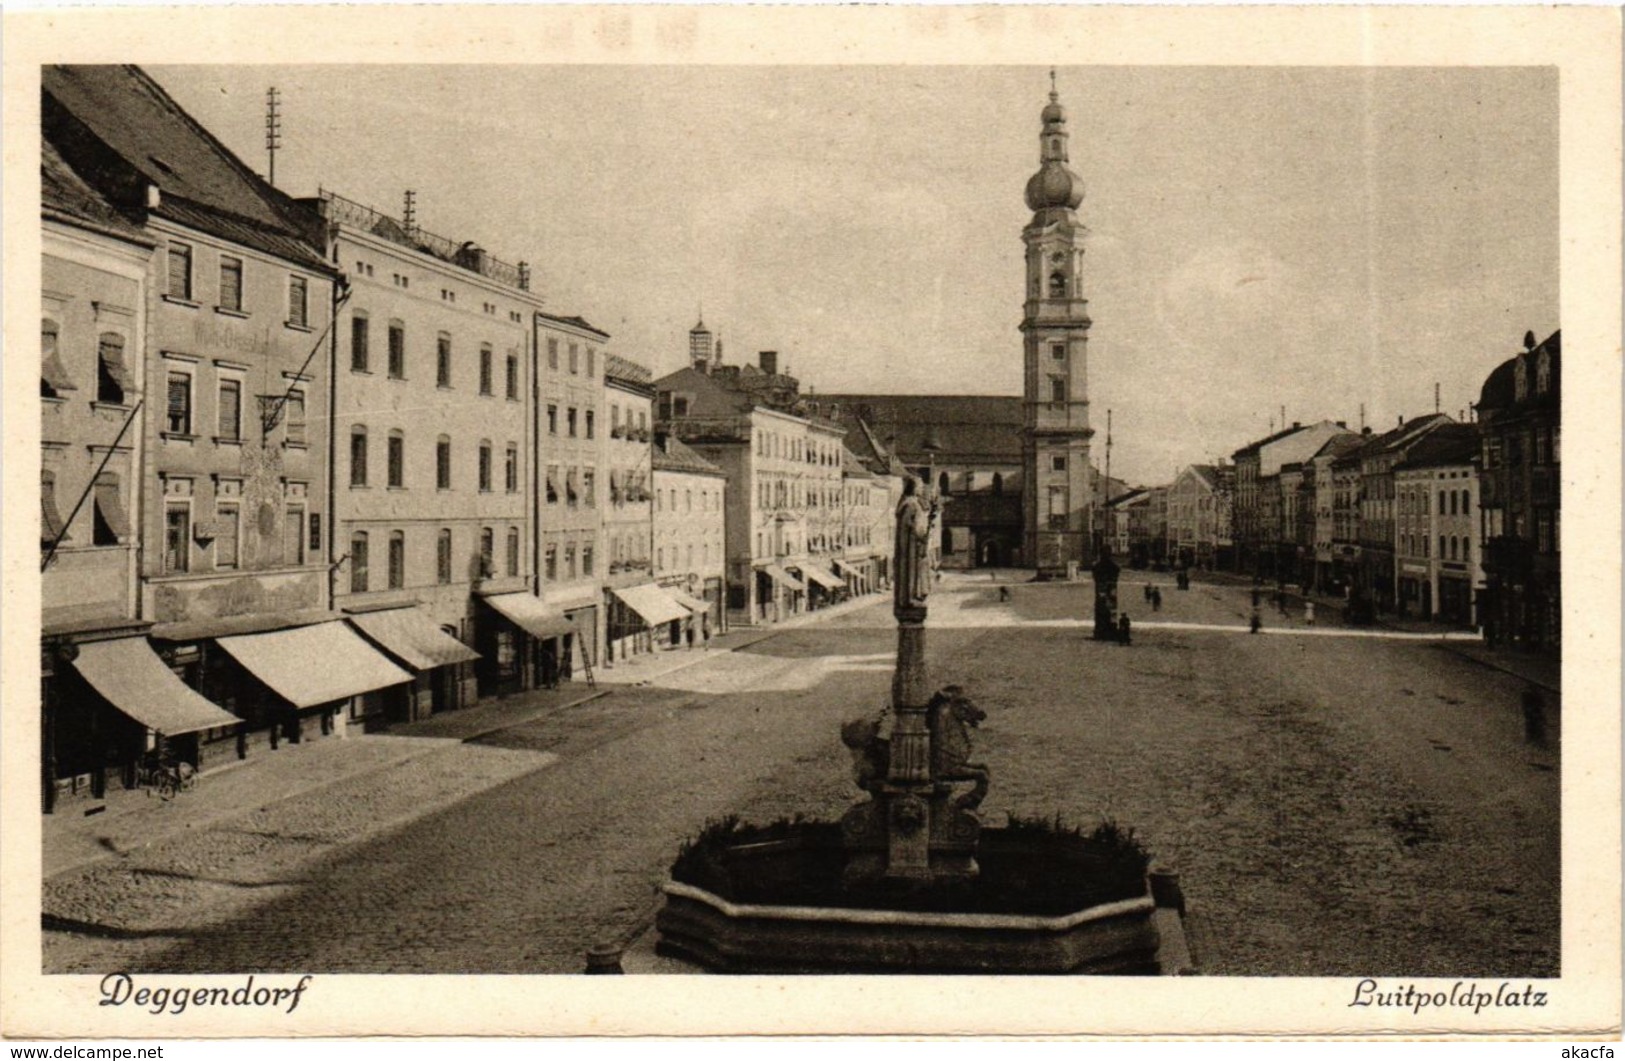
[
  {"x": 1434, "y": 519},
  {"x": 306, "y": 465}
]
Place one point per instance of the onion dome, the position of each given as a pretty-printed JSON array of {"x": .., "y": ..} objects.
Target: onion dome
[{"x": 1054, "y": 186}]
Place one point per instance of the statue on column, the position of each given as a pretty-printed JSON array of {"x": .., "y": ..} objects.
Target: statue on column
[{"x": 912, "y": 578}]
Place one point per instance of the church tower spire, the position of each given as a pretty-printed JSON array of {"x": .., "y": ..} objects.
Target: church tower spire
[{"x": 1058, "y": 487}]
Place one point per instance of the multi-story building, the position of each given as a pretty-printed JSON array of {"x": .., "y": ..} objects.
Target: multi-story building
[
  {"x": 1193, "y": 516},
  {"x": 234, "y": 515},
  {"x": 1379, "y": 509},
  {"x": 690, "y": 498},
  {"x": 1328, "y": 501},
  {"x": 1126, "y": 527},
  {"x": 874, "y": 523},
  {"x": 751, "y": 422},
  {"x": 1255, "y": 462},
  {"x": 968, "y": 448},
  {"x": 639, "y": 614},
  {"x": 432, "y": 420},
  {"x": 1519, "y": 412},
  {"x": 1436, "y": 525},
  {"x": 864, "y": 509},
  {"x": 573, "y": 451}
]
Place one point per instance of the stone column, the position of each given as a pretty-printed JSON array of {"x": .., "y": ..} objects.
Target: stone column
[{"x": 908, "y": 849}]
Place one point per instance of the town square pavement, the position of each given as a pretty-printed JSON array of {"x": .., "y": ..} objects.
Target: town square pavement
[{"x": 1337, "y": 801}]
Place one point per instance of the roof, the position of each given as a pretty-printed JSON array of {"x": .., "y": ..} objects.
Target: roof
[
  {"x": 625, "y": 369},
  {"x": 672, "y": 454},
  {"x": 1446, "y": 444},
  {"x": 969, "y": 428},
  {"x": 574, "y": 322},
  {"x": 1137, "y": 494},
  {"x": 1253, "y": 447},
  {"x": 853, "y": 467},
  {"x": 1339, "y": 445},
  {"x": 64, "y": 196},
  {"x": 119, "y": 129},
  {"x": 1500, "y": 387}
]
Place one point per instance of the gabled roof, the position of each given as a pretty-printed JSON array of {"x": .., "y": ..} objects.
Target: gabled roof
[
  {"x": 574, "y": 322},
  {"x": 617, "y": 367},
  {"x": 1447, "y": 444},
  {"x": 673, "y": 455},
  {"x": 65, "y": 197},
  {"x": 1253, "y": 447},
  {"x": 852, "y": 467},
  {"x": 1207, "y": 473},
  {"x": 970, "y": 428},
  {"x": 122, "y": 132},
  {"x": 1339, "y": 445},
  {"x": 707, "y": 397}
]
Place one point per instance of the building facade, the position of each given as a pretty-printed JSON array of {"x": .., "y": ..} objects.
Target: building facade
[
  {"x": 1058, "y": 499},
  {"x": 636, "y": 620},
  {"x": 1379, "y": 509},
  {"x": 1251, "y": 523},
  {"x": 432, "y": 420},
  {"x": 1193, "y": 517},
  {"x": 1438, "y": 551},
  {"x": 690, "y": 501},
  {"x": 1520, "y": 417}
]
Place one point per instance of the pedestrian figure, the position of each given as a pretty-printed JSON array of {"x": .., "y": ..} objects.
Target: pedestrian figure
[
  {"x": 1534, "y": 716},
  {"x": 1309, "y": 612},
  {"x": 1123, "y": 627},
  {"x": 1156, "y": 600},
  {"x": 1147, "y": 589},
  {"x": 1257, "y": 624},
  {"x": 1257, "y": 596},
  {"x": 1280, "y": 603},
  {"x": 1004, "y": 592}
]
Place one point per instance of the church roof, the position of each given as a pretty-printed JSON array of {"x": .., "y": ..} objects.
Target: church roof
[{"x": 971, "y": 429}]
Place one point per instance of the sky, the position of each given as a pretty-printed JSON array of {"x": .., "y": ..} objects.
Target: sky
[{"x": 1259, "y": 238}]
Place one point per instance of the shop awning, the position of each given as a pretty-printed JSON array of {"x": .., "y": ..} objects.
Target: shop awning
[
  {"x": 129, "y": 674},
  {"x": 842, "y": 565},
  {"x": 413, "y": 637},
  {"x": 652, "y": 603},
  {"x": 784, "y": 578},
  {"x": 687, "y": 600},
  {"x": 310, "y": 665},
  {"x": 531, "y": 614},
  {"x": 821, "y": 576}
]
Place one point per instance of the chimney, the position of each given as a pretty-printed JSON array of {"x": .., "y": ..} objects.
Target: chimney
[
  {"x": 1365, "y": 431},
  {"x": 471, "y": 256},
  {"x": 1344, "y": 424},
  {"x": 1296, "y": 424},
  {"x": 769, "y": 360}
]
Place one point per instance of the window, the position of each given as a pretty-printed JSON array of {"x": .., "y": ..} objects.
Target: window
[
  {"x": 485, "y": 368},
  {"x": 397, "y": 459},
  {"x": 294, "y": 417},
  {"x": 1057, "y": 285},
  {"x": 589, "y": 487},
  {"x": 487, "y": 551},
  {"x": 442, "y": 463},
  {"x": 397, "y": 350},
  {"x": 442, "y": 557},
  {"x": 591, "y": 355},
  {"x": 552, "y": 419},
  {"x": 513, "y": 377},
  {"x": 679, "y": 406},
  {"x": 179, "y": 419},
  {"x": 1057, "y": 506},
  {"x": 51, "y": 527},
  {"x": 574, "y": 359},
  {"x": 643, "y": 420},
  {"x": 1057, "y": 464},
  {"x": 510, "y": 470},
  {"x": 1057, "y": 351},
  {"x": 112, "y": 375},
  {"x": 553, "y": 353},
  {"x": 513, "y": 550},
  {"x": 570, "y": 421},
  {"x": 660, "y": 559},
  {"x": 180, "y": 271},
  {"x": 589, "y": 423},
  {"x": 53, "y": 375},
  {"x": 294, "y": 548},
  {"x": 358, "y": 456},
  {"x": 110, "y": 526},
  {"x": 231, "y": 283},
  {"x": 177, "y": 538},
  {"x": 551, "y": 559},
  {"x": 569, "y": 562},
  {"x": 586, "y": 561},
  {"x": 485, "y": 467},
  {"x": 442, "y": 360},
  {"x": 298, "y": 302},
  {"x": 397, "y": 559},
  {"x": 552, "y": 484},
  {"x": 231, "y": 409},
  {"x": 358, "y": 562},
  {"x": 614, "y": 421},
  {"x": 358, "y": 342},
  {"x": 227, "y": 519},
  {"x": 1057, "y": 389}
]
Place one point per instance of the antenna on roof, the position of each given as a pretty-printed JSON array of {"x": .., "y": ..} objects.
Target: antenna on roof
[
  {"x": 273, "y": 131},
  {"x": 1435, "y": 396},
  {"x": 1362, "y": 416},
  {"x": 409, "y": 213}
]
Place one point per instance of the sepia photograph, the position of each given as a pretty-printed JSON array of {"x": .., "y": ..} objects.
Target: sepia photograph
[{"x": 1028, "y": 517}]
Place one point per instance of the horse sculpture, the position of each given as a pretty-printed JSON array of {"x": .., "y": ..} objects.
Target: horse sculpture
[{"x": 951, "y": 716}]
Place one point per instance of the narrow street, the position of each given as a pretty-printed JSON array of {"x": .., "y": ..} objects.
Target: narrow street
[{"x": 1336, "y": 805}]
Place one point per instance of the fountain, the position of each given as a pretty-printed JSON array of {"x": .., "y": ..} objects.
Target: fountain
[{"x": 910, "y": 880}]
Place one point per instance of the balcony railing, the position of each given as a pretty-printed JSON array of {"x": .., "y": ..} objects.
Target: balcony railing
[{"x": 463, "y": 255}]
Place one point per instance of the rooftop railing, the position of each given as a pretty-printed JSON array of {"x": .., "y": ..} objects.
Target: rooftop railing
[{"x": 466, "y": 255}]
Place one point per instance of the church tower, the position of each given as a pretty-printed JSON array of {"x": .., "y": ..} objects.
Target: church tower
[{"x": 1058, "y": 487}]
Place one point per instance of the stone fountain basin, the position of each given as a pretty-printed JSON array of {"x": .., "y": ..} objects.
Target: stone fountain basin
[
  {"x": 1038, "y": 905},
  {"x": 1113, "y": 938}
]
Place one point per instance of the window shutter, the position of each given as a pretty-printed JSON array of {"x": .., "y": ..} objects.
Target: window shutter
[
  {"x": 52, "y": 372},
  {"x": 111, "y": 506},
  {"x": 51, "y": 527},
  {"x": 110, "y": 351}
]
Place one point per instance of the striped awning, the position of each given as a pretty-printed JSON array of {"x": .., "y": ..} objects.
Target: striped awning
[
  {"x": 311, "y": 665},
  {"x": 412, "y": 637},
  {"x": 784, "y": 578}
]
